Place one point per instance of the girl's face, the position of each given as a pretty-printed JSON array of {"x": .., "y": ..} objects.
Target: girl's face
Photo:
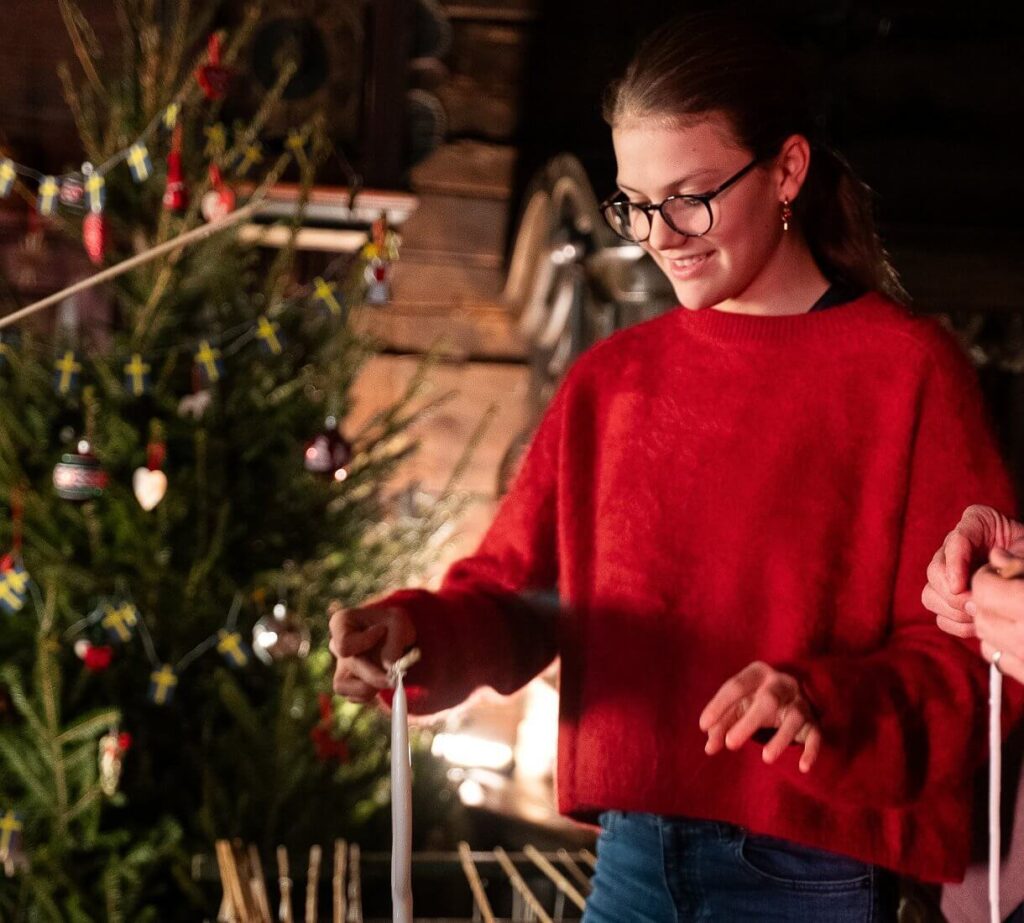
[{"x": 656, "y": 160}]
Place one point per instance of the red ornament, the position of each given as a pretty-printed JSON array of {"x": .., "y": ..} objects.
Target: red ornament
[
  {"x": 176, "y": 193},
  {"x": 97, "y": 657},
  {"x": 220, "y": 200},
  {"x": 94, "y": 236},
  {"x": 212, "y": 77},
  {"x": 324, "y": 743}
]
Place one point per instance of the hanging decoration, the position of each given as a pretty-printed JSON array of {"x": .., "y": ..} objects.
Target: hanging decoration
[
  {"x": 327, "y": 746},
  {"x": 49, "y": 189},
  {"x": 94, "y": 237},
  {"x": 379, "y": 254},
  {"x": 139, "y": 163},
  {"x": 208, "y": 364},
  {"x": 72, "y": 191},
  {"x": 136, "y": 376},
  {"x": 326, "y": 293},
  {"x": 66, "y": 372},
  {"x": 112, "y": 746},
  {"x": 213, "y": 77},
  {"x": 328, "y": 453},
  {"x": 175, "y": 193},
  {"x": 149, "y": 483},
  {"x": 14, "y": 582},
  {"x": 7, "y": 176},
  {"x": 11, "y": 825},
  {"x": 280, "y": 636},
  {"x": 95, "y": 657},
  {"x": 268, "y": 333},
  {"x": 163, "y": 682},
  {"x": 120, "y": 621},
  {"x": 219, "y": 201},
  {"x": 79, "y": 475}
]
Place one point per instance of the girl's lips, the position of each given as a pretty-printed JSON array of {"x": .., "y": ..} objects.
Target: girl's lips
[{"x": 689, "y": 266}]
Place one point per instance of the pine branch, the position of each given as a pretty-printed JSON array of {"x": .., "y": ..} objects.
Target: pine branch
[{"x": 81, "y": 35}]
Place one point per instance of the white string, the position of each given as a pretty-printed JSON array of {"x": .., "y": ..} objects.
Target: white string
[
  {"x": 995, "y": 774},
  {"x": 401, "y": 794}
]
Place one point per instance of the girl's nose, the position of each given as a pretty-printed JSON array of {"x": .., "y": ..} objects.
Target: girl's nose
[{"x": 662, "y": 236}]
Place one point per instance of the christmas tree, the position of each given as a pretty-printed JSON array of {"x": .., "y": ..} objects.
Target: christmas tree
[{"x": 178, "y": 504}]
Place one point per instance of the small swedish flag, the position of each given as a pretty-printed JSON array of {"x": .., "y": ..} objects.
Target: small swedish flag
[
  {"x": 268, "y": 332},
  {"x": 66, "y": 371},
  {"x": 324, "y": 292},
  {"x": 170, "y": 118},
  {"x": 95, "y": 192},
  {"x": 120, "y": 621},
  {"x": 136, "y": 376},
  {"x": 11, "y": 825},
  {"x": 13, "y": 588},
  {"x": 139, "y": 162},
  {"x": 234, "y": 650},
  {"x": 209, "y": 363},
  {"x": 49, "y": 189},
  {"x": 216, "y": 140},
  {"x": 162, "y": 684},
  {"x": 253, "y": 155},
  {"x": 7, "y": 175}
]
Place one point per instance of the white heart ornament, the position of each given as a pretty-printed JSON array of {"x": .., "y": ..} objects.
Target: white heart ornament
[{"x": 149, "y": 487}]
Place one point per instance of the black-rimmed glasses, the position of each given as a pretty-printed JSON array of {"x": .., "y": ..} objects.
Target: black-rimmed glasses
[{"x": 685, "y": 214}]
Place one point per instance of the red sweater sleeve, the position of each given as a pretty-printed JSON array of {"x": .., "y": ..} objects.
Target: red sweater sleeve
[
  {"x": 488, "y": 624},
  {"x": 912, "y": 716}
]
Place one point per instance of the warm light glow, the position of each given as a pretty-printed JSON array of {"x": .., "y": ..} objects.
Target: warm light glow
[
  {"x": 468, "y": 750},
  {"x": 267, "y": 639},
  {"x": 537, "y": 735},
  {"x": 471, "y": 793},
  {"x": 340, "y": 475}
]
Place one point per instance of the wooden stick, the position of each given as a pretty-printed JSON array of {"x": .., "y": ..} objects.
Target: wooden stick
[
  {"x": 587, "y": 856},
  {"x": 243, "y": 872},
  {"x": 338, "y": 882},
  {"x": 517, "y": 882},
  {"x": 258, "y": 885},
  {"x": 475, "y": 884},
  {"x": 284, "y": 910},
  {"x": 312, "y": 883},
  {"x": 229, "y": 874},
  {"x": 355, "y": 888},
  {"x": 561, "y": 882},
  {"x": 140, "y": 259},
  {"x": 570, "y": 863},
  {"x": 226, "y": 913}
]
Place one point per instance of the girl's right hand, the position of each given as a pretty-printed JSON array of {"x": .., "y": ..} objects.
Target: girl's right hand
[{"x": 366, "y": 642}]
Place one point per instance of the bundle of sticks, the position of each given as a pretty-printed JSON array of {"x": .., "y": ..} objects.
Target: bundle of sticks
[
  {"x": 246, "y": 900},
  {"x": 245, "y": 891}
]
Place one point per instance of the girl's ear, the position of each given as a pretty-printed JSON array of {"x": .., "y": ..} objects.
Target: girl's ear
[{"x": 792, "y": 164}]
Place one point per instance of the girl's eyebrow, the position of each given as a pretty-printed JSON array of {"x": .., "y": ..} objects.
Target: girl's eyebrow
[{"x": 676, "y": 184}]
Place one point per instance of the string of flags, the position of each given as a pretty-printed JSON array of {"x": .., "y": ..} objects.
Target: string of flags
[
  {"x": 209, "y": 352},
  {"x": 121, "y": 621}
]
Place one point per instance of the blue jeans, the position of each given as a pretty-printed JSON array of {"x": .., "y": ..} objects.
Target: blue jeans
[{"x": 654, "y": 869}]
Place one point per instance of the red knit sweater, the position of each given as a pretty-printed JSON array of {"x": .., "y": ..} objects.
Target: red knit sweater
[{"x": 709, "y": 489}]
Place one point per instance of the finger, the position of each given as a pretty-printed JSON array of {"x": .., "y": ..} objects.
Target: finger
[
  {"x": 1001, "y": 634},
  {"x": 795, "y": 720},
  {"x": 933, "y": 601},
  {"x": 354, "y": 643},
  {"x": 812, "y": 747},
  {"x": 763, "y": 712},
  {"x": 716, "y": 733},
  {"x": 938, "y": 580},
  {"x": 956, "y": 628},
  {"x": 401, "y": 636},
  {"x": 1009, "y": 664},
  {"x": 369, "y": 672},
  {"x": 1008, "y": 566},
  {"x": 957, "y": 551},
  {"x": 996, "y": 597},
  {"x": 738, "y": 687},
  {"x": 355, "y": 690}
]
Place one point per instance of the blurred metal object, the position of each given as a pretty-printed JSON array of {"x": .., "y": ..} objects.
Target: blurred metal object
[{"x": 572, "y": 283}]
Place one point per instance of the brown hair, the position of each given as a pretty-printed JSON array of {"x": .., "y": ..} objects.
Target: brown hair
[{"x": 716, "y": 62}]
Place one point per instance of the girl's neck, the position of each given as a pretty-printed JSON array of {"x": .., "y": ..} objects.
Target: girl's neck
[{"x": 790, "y": 283}]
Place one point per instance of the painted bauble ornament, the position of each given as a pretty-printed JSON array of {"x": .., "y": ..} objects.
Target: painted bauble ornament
[
  {"x": 217, "y": 203},
  {"x": 328, "y": 453},
  {"x": 280, "y": 636},
  {"x": 79, "y": 476},
  {"x": 175, "y": 193},
  {"x": 72, "y": 192},
  {"x": 94, "y": 236}
]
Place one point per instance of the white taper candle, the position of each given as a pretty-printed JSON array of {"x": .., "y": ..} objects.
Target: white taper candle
[{"x": 995, "y": 776}]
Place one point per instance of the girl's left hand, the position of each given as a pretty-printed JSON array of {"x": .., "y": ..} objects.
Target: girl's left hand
[{"x": 761, "y": 697}]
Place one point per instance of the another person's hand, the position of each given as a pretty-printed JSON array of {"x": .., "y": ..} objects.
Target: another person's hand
[
  {"x": 946, "y": 594},
  {"x": 761, "y": 697},
  {"x": 998, "y": 604},
  {"x": 366, "y": 642}
]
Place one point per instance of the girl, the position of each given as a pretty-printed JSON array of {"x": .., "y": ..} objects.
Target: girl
[{"x": 737, "y": 502}]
